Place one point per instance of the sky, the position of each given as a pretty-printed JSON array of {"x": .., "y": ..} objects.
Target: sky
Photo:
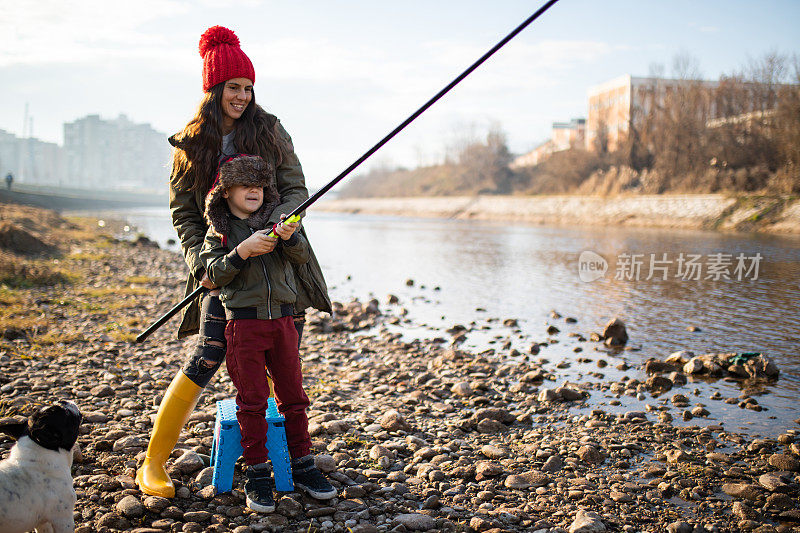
[{"x": 340, "y": 75}]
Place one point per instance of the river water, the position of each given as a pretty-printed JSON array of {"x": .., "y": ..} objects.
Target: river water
[{"x": 740, "y": 291}]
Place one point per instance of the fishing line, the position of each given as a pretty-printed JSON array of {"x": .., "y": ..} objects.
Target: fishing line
[{"x": 294, "y": 215}]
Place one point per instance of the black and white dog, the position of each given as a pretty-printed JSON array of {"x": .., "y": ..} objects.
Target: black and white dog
[{"x": 35, "y": 480}]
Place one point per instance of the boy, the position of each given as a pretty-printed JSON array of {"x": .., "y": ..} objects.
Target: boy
[{"x": 258, "y": 290}]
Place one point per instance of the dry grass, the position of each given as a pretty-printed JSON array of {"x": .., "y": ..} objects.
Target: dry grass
[
  {"x": 17, "y": 272},
  {"x": 125, "y": 331},
  {"x": 140, "y": 280},
  {"x": 103, "y": 292}
]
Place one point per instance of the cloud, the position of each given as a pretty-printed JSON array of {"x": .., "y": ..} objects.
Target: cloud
[
  {"x": 83, "y": 31},
  {"x": 704, "y": 28}
]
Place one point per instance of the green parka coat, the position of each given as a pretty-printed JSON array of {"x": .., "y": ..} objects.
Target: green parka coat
[{"x": 187, "y": 209}]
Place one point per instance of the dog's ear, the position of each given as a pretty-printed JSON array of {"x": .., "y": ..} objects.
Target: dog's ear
[{"x": 14, "y": 429}]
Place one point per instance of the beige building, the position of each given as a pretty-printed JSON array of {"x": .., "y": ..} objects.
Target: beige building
[
  {"x": 613, "y": 104},
  {"x": 563, "y": 136}
]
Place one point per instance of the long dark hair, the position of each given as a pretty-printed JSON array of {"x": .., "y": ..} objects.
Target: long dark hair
[{"x": 196, "y": 155}]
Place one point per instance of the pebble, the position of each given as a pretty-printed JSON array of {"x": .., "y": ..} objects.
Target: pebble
[
  {"x": 526, "y": 480},
  {"x": 130, "y": 506},
  {"x": 392, "y": 420},
  {"x": 325, "y": 462},
  {"x": 590, "y": 454},
  {"x": 493, "y": 452},
  {"x": 189, "y": 462},
  {"x": 415, "y": 521}
]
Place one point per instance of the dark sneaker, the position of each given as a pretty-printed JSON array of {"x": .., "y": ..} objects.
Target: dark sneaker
[
  {"x": 307, "y": 477},
  {"x": 258, "y": 489}
]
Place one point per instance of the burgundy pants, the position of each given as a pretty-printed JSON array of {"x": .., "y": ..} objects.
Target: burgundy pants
[{"x": 255, "y": 346}]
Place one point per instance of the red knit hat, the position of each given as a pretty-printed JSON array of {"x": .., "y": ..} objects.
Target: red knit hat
[{"x": 223, "y": 59}]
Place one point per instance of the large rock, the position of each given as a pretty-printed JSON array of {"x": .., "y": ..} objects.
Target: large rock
[
  {"x": 742, "y": 490},
  {"x": 587, "y": 522},
  {"x": 615, "y": 333},
  {"x": 773, "y": 482},
  {"x": 784, "y": 462}
]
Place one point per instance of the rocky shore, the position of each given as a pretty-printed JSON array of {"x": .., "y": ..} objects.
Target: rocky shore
[
  {"x": 417, "y": 436},
  {"x": 686, "y": 211}
]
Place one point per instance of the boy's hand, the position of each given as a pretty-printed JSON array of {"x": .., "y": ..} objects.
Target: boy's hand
[
  {"x": 256, "y": 244},
  {"x": 284, "y": 230}
]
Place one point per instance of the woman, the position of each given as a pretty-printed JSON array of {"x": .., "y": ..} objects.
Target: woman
[{"x": 228, "y": 121}]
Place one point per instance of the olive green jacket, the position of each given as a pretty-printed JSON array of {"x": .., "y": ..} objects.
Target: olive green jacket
[
  {"x": 265, "y": 282},
  {"x": 187, "y": 209}
]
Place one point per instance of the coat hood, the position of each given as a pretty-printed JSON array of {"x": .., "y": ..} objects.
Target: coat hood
[{"x": 247, "y": 170}]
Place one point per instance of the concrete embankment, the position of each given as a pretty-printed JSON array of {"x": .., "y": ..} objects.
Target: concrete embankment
[
  {"x": 774, "y": 214},
  {"x": 61, "y": 198}
]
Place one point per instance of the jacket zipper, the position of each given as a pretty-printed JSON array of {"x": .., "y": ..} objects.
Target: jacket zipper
[{"x": 269, "y": 286}]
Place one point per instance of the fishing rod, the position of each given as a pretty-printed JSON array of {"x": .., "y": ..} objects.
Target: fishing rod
[{"x": 294, "y": 215}]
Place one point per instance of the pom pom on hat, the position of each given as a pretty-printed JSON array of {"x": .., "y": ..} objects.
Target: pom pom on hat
[
  {"x": 215, "y": 36},
  {"x": 223, "y": 59}
]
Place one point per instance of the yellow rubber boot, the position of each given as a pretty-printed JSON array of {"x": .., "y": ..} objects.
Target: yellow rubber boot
[{"x": 178, "y": 403}]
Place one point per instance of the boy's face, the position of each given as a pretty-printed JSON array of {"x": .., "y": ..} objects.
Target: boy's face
[{"x": 244, "y": 200}]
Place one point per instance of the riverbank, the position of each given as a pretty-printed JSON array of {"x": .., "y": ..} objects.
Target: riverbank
[
  {"x": 703, "y": 211},
  {"x": 65, "y": 198},
  {"x": 417, "y": 436}
]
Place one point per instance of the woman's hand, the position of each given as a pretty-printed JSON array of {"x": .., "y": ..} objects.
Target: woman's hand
[
  {"x": 207, "y": 283},
  {"x": 285, "y": 229},
  {"x": 258, "y": 243}
]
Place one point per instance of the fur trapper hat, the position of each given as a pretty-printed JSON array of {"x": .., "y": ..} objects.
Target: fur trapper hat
[{"x": 247, "y": 170}]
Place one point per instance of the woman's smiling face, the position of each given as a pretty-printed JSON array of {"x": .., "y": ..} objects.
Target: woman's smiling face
[{"x": 236, "y": 97}]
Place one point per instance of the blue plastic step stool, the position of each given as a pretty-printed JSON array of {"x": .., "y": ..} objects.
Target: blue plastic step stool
[{"x": 227, "y": 446}]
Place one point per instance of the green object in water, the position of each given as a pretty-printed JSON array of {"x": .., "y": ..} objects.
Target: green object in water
[{"x": 742, "y": 358}]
